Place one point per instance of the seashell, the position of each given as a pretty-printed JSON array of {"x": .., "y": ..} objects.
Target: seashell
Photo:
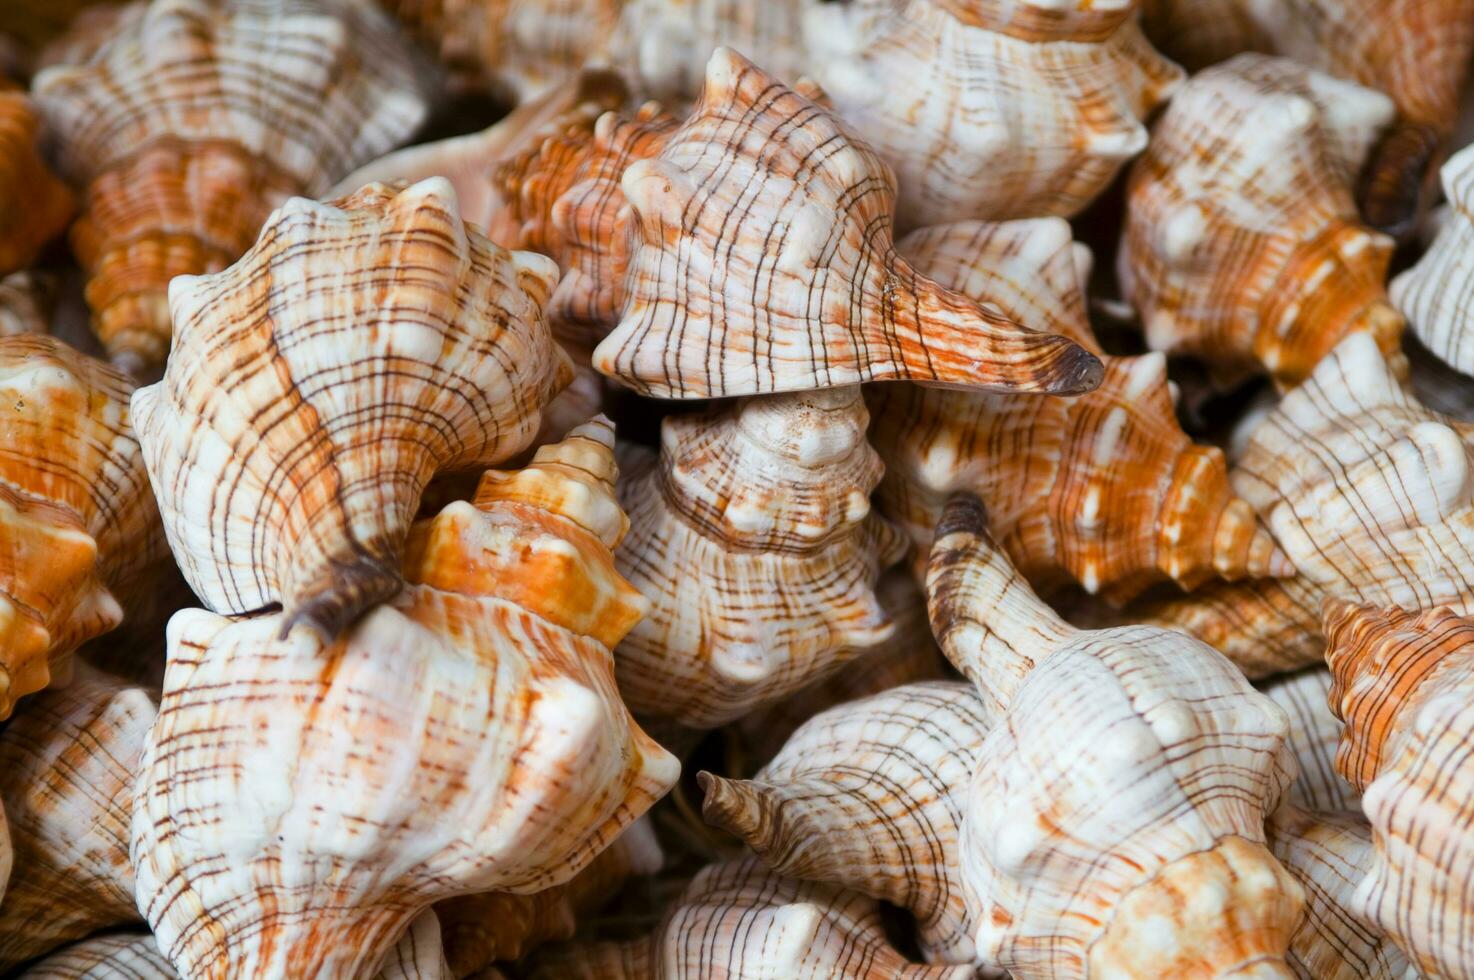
[
  {"x": 192, "y": 120},
  {"x": 991, "y": 110},
  {"x": 817, "y": 297},
  {"x": 1129, "y": 842},
  {"x": 1252, "y": 256},
  {"x": 739, "y": 921},
  {"x": 1417, "y": 51},
  {"x": 454, "y": 767},
  {"x": 25, "y": 304},
  {"x": 754, "y": 543},
  {"x": 80, "y": 525},
  {"x": 1403, "y": 682},
  {"x": 34, "y": 205},
  {"x": 482, "y": 928},
  {"x": 1370, "y": 495},
  {"x": 1435, "y": 293},
  {"x": 1105, "y": 488},
  {"x": 909, "y": 655},
  {"x": 869, "y": 795},
  {"x": 291, "y": 473},
  {"x": 1328, "y": 853},
  {"x": 67, "y": 765},
  {"x": 1315, "y": 736}
]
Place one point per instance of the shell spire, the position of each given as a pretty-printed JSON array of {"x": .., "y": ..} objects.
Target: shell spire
[
  {"x": 868, "y": 795},
  {"x": 398, "y": 343},
  {"x": 188, "y": 121},
  {"x": 754, "y": 541},
  {"x": 829, "y": 302},
  {"x": 1253, "y": 256},
  {"x": 34, "y": 205}
]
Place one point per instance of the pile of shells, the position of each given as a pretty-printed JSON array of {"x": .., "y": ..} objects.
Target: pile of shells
[{"x": 685, "y": 489}]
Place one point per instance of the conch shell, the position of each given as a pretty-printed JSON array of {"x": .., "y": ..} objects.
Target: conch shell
[
  {"x": 1130, "y": 840},
  {"x": 1371, "y": 496},
  {"x": 465, "y": 736},
  {"x": 1434, "y": 294},
  {"x": 67, "y": 765},
  {"x": 869, "y": 795},
  {"x": 760, "y": 260},
  {"x": 1105, "y": 488},
  {"x": 1405, "y": 686},
  {"x": 34, "y": 205},
  {"x": 991, "y": 110},
  {"x": 193, "y": 119},
  {"x": 1242, "y": 242},
  {"x": 754, "y": 542},
  {"x": 377, "y": 340},
  {"x": 739, "y": 921},
  {"x": 78, "y": 519},
  {"x": 1315, "y": 737}
]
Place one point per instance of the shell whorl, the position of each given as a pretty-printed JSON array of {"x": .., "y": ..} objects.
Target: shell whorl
[{"x": 1435, "y": 294}]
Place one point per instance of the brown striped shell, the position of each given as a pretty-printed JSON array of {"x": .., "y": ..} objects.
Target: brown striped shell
[
  {"x": 80, "y": 525},
  {"x": 738, "y": 921},
  {"x": 191, "y": 120},
  {"x": 1116, "y": 826},
  {"x": 982, "y": 117},
  {"x": 34, "y": 205},
  {"x": 1242, "y": 244},
  {"x": 1435, "y": 295},
  {"x": 1103, "y": 488},
  {"x": 754, "y": 542},
  {"x": 1405, "y": 687},
  {"x": 805, "y": 288},
  {"x": 465, "y": 736},
  {"x": 378, "y": 340},
  {"x": 67, "y": 765},
  {"x": 869, "y": 795},
  {"x": 1371, "y": 496}
]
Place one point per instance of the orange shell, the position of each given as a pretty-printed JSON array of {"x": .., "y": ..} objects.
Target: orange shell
[{"x": 34, "y": 205}]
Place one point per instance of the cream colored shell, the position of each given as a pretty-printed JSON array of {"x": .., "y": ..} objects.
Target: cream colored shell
[
  {"x": 1315, "y": 736},
  {"x": 1437, "y": 293}
]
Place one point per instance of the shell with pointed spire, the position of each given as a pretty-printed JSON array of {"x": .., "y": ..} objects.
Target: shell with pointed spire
[
  {"x": 1242, "y": 243},
  {"x": 991, "y": 114},
  {"x": 317, "y": 385},
  {"x": 869, "y": 795},
  {"x": 465, "y": 736},
  {"x": 1315, "y": 737},
  {"x": 67, "y": 765},
  {"x": 192, "y": 119},
  {"x": 740, "y": 921},
  {"x": 1405, "y": 686},
  {"x": 1104, "y": 488},
  {"x": 79, "y": 522},
  {"x": 1129, "y": 842},
  {"x": 761, "y": 261},
  {"x": 34, "y": 205},
  {"x": 754, "y": 541},
  {"x": 1371, "y": 496},
  {"x": 1328, "y": 853},
  {"x": 1435, "y": 295}
]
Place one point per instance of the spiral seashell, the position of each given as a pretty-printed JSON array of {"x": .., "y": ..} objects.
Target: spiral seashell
[
  {"x": 754, "y": 542},
  {"x": 991, "y": 110},
  {"x": 1315, "y": 737},
  {"x": 67, "y": 765},
  {"x": 1130, "y": 841},
  {"x": 1371, "y": 496},
  {"x": 480, "y": 929},
  {"x": 1417, "y": 51},
  {"x": 1251, "y": 255},
  {"x": 1435, "y": 293},
  {"x": 34, "y": 205},
  {"x": 1328, "y": 853},
  {"x": 465, "y": 736},
  {"x": 379, "y": 340},
  {"x": 193, "y": 119},
  {"x": 25, "y": 305},
  {"x": 869, "y": 796},
  {"x": 739, "y": 921},
  {"x": 1403, "y": 685},
  {"x": 80, "y": 525},
  {"x": 759, "y": 264},
  {"x": 1104, "y": 488}
]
